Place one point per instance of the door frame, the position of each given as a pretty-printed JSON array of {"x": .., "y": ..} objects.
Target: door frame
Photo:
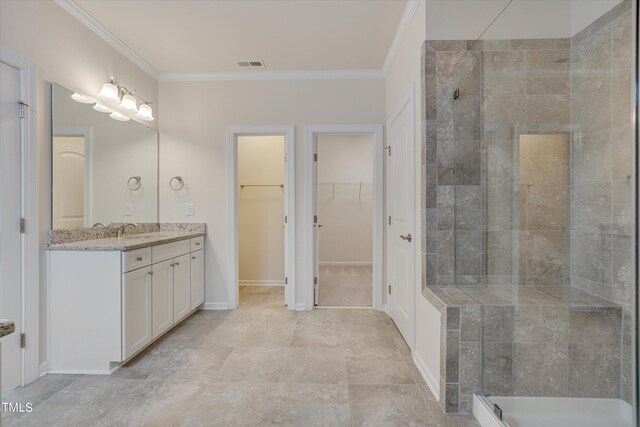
[
  {"x": 376, "y": 130},
  {"x": 87, "y": 134},
  {"x": 30, "y": 251},
  {"x": 233, "y": 132}
]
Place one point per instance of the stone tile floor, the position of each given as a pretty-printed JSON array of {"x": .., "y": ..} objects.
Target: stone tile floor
[
  {"x": 259, "y": 365},
  {"x": 345, "y": 286}
]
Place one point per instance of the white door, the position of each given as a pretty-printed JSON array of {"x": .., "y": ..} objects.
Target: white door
[
  {"x": 197, "y": 279},
  {"x": 316, "y": 225},
  {"x": 68, "y": 179},
  {"x": 181, "y": 287},
  {"x": 400, "y": 226},
  {"x": 162, "y": 297},
  {"x": 136, "y": 311},
  {"x": 10, "y": 210}
]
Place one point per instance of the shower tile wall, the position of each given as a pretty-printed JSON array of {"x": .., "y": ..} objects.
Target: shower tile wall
[{"x": 602, "y": 207}]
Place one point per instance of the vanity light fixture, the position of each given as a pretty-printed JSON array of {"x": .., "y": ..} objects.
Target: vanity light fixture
[
  {"x": 81, "y": 98},
  {"x": 110, "y": 90},
  {"x": 127, "y": 100},
  {"x": 120, "y": 117},
  {"x": 101, "y": 108},
  {"x": 145, "y": 113}
]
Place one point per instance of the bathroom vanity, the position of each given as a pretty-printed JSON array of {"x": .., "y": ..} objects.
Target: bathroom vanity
[{"x": 109, "y": 298}]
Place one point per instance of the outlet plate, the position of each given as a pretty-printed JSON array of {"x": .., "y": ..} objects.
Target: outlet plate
[{"x": 189, "y": 207}]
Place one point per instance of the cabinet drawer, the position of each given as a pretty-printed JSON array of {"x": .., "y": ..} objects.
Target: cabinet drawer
[
  {"x": 135, "y": 259},
  {"x": 197, "y": 243},
  {"x": 169, "y": 250}
]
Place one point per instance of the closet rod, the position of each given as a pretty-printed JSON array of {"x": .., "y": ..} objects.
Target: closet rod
[{"x": 261, "y": 185}]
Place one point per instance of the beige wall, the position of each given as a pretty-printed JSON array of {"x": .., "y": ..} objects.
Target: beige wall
[
  {"x": 346, "y": 214},
  {"x": 193, "y": 144},
  {"x": 261, "y": 209},
  {"x": 66, "y": 52}
]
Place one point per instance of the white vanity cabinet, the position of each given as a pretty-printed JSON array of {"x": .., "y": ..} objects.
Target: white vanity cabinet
[
  {"x": 136, "y": 311},
  {"x": 105, "y": 306}
]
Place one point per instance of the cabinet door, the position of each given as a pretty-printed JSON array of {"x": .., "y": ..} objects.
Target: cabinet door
[
  {"x": 136, "y": 311},
  {"x": 197, "y": 279},
  {"x": 181, "y": 287},
  {"x": 162, "y": 297}
]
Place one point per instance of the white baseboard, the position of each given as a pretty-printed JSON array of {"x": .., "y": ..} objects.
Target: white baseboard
[
  {"x": 216, "y": 306},
  {"x": 262, "y": 282},
  {"x": 44, "y": 369},
  {"x": 432, "y": 382},
  {"x": 300, "y": 306}
]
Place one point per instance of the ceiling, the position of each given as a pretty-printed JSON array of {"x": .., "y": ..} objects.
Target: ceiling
[{"x": 210, "y": 36}]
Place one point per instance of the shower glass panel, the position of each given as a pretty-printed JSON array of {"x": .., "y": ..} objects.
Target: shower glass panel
[{"x": 543, "y": 183}]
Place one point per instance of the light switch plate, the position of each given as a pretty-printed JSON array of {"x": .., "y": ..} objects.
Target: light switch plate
[
  {"x": 127, "y": 210},
  {"x": 189, "y": 209}
]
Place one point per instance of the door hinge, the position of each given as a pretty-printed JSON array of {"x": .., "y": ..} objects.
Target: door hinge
[
  {"x": 389, "y": 289},
  {"x": 23, "y": 340},
  {"x": 315, "y": 280},
  {"x": 315, "y": 219},
  {"x": 286, "y": 280},
  {"x": 22, "y": 225},
  {"x": 285, "y": 219},
  {"x": 315, "y": 157},
  {"x": 22, "y": 104},
  {"x": 389, "y": 219},
  {"x": 388, "y": 148}
]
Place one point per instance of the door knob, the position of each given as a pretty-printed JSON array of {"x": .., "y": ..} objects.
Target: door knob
[{"x": 407, "y": 237}]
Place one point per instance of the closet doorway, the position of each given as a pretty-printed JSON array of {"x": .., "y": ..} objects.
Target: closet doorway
[
  {"x": 262, "y": 216},
  {"x": 346, "y": 230}
]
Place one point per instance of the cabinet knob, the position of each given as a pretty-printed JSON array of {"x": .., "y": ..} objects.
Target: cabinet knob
[
  {"x": 150, "y": 273},
  {"x": 177, "y": 263},
  {"x": 139, "y": 258},
  {"x": 193, "y": 257},
  {"x": 197, "y": 243},
  {"x": 172, "y": 265}
]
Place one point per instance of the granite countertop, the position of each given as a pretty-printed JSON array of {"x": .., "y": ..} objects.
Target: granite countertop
[
  {"x": 125, "y": 243},
  {"x": 7, "y": 327}
]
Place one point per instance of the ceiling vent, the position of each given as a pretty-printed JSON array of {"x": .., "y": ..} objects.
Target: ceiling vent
[{"x": 251, "y": 64}]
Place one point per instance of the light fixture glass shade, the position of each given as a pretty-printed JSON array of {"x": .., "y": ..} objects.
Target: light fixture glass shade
[
  {"x": 101, "y": 108},
  {"x": 145, "y": 113},
  {"x": 129, "y": 103},
  {"x": 81, "y": 98},
  {"x": 109, "y": 91},
  {"x": 117, "y": 116}
]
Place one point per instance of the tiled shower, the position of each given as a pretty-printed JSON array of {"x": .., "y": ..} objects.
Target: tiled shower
[{"x": 528, "y": 209}]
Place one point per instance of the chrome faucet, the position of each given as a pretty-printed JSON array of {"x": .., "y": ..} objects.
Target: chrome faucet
[{"x": 123, "y": 228}]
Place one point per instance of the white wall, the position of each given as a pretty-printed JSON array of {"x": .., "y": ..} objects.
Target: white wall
[
  {"x": 346, "y": 214},
  {"x": 193, "y": 143},
  {"x": 68, "y": 53},
  {"x": 468, "y": 19},
  {"x": 261, "y": 209}
]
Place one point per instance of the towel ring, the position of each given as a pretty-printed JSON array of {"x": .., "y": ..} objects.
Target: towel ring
[
  {"x": 137, "y": 183},
  {"x": 180, "y": 184}
]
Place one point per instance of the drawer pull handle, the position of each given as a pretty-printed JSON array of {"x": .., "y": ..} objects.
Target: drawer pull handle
[
  {"x": 197, "y": 243},
  {"x": 150, "y": 273},
  {"x": 172, "y": 265},
  {"x": 177, "y": 263},
  {"x": 139, "y": 258},
  {"x": 193, "y": 257}
]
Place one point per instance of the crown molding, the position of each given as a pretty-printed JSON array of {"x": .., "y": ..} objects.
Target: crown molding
[
  {"x": 401, "y": 31},
  {"x": 101, "y": 31},
  {"x": 273, "y": 75}
]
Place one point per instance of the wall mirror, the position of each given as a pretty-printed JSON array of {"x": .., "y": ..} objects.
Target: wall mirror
[{"x": 103, "y": 170}]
